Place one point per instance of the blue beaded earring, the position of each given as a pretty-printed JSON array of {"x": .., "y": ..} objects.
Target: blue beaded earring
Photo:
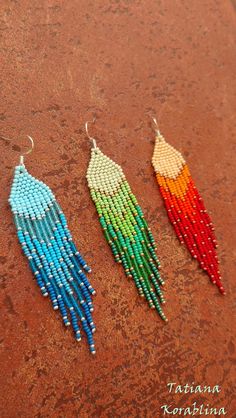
[{"x": 47, "y": 243}]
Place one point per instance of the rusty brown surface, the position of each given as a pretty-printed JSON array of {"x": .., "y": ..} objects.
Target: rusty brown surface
[{"x": 62, "y": 62}]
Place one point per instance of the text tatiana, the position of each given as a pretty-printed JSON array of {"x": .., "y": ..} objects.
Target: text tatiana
[{"x": 194, "y": 409}]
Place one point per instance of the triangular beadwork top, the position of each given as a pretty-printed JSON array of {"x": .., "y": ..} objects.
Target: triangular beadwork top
[
  {"x": 166, "y": 160},
  {"x": 125, "y": 227},
  {"x": 104, "y": 175},
  {"x": 185, "y": 208},
  {"x": 29, "y": 196},
  {"x": 46, "y": 241}
]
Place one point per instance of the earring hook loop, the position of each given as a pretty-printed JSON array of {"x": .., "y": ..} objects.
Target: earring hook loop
[
  {"x": 157, "y": 129},
  {"x": 26, "y": 152},
  {"x": 87, "y": 133}
]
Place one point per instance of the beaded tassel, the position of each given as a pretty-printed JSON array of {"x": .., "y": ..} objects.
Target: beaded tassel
[
  {"x": 185, "y": 208},
  {"x": 125, "y": 228},
  {"x": 46, "y": 241}
]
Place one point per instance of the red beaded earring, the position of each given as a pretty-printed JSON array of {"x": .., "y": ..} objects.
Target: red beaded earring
[{"x": 185, "y": 207}]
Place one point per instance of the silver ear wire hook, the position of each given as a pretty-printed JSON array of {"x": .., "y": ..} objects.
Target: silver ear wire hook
[
  {"x": 26, "y": 152},
  {"x": 157, "y": 130},
  {"x": 90, "y": 137}
]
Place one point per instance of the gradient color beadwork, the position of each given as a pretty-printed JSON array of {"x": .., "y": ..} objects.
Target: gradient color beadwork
[
  {"x": 52, "y": 255},
  {"x": 185, "y": 208},
  {"x": 125, "y": 228}
]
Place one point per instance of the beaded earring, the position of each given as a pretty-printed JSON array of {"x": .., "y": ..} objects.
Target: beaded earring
[
  {"x": 185, "y": 207},
  {"x": 46, "y": 241},
  {"x": 124, "y": 226}
]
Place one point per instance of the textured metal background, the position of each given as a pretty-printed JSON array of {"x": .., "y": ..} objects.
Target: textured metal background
[{"x": 62, "y": 62}]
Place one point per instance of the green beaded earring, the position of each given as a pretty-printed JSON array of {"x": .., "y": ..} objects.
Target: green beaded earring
[{"x": 124, "y": 226}]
